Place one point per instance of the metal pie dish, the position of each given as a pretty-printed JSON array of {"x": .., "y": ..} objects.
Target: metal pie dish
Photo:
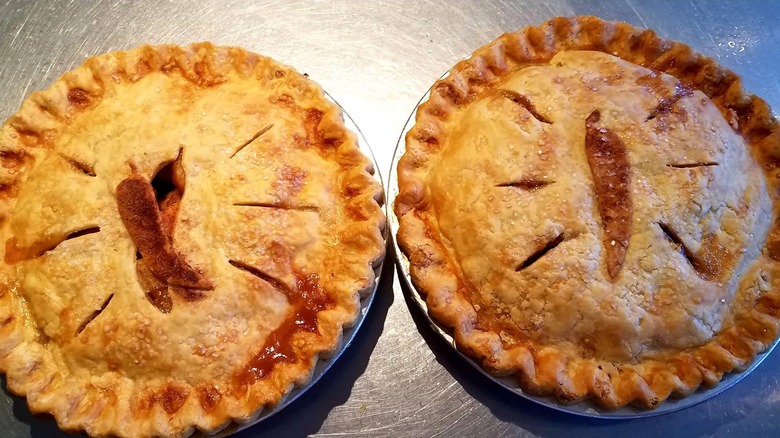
[
  {"x": 325, "y": 362},
  {"x": 585, "y": 408}
]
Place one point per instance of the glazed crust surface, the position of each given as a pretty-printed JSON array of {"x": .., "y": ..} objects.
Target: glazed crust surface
[
  {"x": 186, "y": 230},
  {"x": 592, "y": 208}
]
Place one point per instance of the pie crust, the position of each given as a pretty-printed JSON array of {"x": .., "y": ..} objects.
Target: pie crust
[
  {"x": 594, "y": 209},
  {"x": 186, "y": 229}
]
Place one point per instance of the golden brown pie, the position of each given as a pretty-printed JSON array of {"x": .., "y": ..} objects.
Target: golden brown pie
[
  {"x": 186, "y": 229},
  {"x": 593, "y": 208}
]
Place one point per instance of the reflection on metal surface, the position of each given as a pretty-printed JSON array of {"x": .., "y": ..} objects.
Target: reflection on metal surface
[
  {"x": 398, "y": 378},
  {"x": 586, "y": 408}
]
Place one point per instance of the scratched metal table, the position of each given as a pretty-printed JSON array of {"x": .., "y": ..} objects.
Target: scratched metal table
[{"x": 377, "y": 59}]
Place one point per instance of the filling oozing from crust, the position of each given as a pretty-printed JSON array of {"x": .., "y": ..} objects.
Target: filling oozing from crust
[
  {"x": 597, "y": 203},
  {"x": 307, "y": 299}
]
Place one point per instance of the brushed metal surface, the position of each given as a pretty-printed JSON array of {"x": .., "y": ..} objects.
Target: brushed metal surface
[{"x": 398, "y": 378}]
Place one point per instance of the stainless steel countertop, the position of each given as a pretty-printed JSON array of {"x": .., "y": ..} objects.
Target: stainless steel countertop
[{"x": 377, "y": 59}]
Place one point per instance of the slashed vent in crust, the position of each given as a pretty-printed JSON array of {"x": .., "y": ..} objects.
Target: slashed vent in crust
[
  {"x": 593, "y": 208},
  {"x": 185, "y": 230}
]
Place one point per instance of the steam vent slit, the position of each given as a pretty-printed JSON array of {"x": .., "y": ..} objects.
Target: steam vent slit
[
  {"x": 277, "y": 205},
  {"x": 528, "y": 184},
  {"x": 80, "y": 166},
  {"x": 275, "y": 282},
  {"x": 526, "y": 103},
  {"x": 94, "y": 315},
  {"x": 549, "y": 246},
  {"x": 665, "y": 105},
  {"x": 693, "y": 165},
  {"x": 705, "y": 261},
  {"x": 252, "y": 139},
  {"x": 73, "y": 235}
]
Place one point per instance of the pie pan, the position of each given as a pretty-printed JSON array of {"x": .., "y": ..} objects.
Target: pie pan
[
  {"x": 323, "y": 364},
  {"x": 585, "y": 408}
]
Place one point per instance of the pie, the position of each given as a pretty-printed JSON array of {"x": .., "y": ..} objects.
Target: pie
[
  {"x": 185, "y": 231},
  {"x": 594, "y": 209}
]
